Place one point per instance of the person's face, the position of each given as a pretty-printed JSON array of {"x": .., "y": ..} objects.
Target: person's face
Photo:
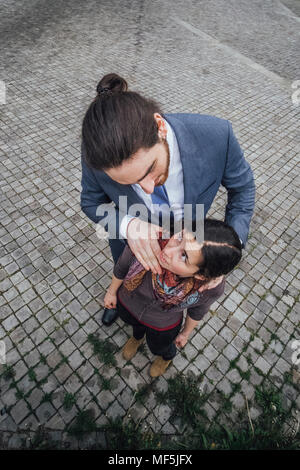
[
  {"x": 182, "y": 255},
  {"x": 148, "y": 167}
]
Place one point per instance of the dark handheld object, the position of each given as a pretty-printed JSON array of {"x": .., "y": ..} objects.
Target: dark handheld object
[{"x": 109, "y": 316}]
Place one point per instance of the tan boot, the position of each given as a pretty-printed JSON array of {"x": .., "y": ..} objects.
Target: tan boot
[
  {"x": 159, "y": 367},
  {"x": 131, "y": 347}
]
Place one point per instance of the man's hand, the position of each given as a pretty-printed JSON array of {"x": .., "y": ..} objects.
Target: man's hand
[
  {"x": 110, "y": 300},
  {"x": 142, "y": 240},
  {"x": 181, "y": 340}
]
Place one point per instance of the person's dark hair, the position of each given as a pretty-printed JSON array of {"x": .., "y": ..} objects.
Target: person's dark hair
[
  {"x": 219, "y": 259},
  {"x": 117, "y": 124},
  {"x": 223, "y": 257}
]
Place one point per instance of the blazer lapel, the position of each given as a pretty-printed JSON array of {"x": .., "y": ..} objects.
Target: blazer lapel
[
  {"x": 198, "y": 176},
  {"x": 189, "y": 152}
]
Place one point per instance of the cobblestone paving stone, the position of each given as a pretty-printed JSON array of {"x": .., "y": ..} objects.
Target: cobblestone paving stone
[{"x": 233, "y": 59}]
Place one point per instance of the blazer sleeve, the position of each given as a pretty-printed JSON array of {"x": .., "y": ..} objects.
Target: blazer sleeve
[
  {"x": 238, "y": 179},
  {"x": 92, "y": 197},
  {"x": 122, "y": 265},
  {"x": 209, "y": 297}
]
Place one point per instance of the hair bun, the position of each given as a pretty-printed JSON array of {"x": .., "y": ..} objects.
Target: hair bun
[
  {"x": 103, "y": 90},
  {"x": 111, "y": 84}
]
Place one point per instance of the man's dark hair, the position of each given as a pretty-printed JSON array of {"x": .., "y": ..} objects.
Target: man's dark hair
[
  {"x": 219, "y": 259},
  {"x": 117, "y": 124}
]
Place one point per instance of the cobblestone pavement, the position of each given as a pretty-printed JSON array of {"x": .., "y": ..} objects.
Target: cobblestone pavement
[{"x": 233, "y": 59}]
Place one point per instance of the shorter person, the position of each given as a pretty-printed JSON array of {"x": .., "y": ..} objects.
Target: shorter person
[{"x": 192, "y": 278}]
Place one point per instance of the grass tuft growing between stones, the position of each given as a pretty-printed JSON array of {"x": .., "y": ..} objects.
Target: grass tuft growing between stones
[
  {"x": 83, "y": 423},
  {"x": 68, "y": 401},
  {"x": 184, "y": 398},
  {"x": 105, "y": 350},
  {"x": 8, "y": 372},
  {"x": 143, "y": 392},
  {"x": 42, "y": 441},
  {"x": 126, "y": 434}
]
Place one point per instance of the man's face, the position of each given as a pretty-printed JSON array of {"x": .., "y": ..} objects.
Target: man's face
[{"x": 148, "y": 168}]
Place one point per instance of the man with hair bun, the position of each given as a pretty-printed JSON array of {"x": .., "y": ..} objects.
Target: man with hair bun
[{"x": 131, "y": 148}]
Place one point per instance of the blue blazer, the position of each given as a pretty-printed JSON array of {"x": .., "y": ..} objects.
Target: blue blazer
[{"x": 210, "y": 155}]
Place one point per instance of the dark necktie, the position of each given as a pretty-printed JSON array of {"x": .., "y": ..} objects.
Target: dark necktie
[{"x": 159, "y": 197}]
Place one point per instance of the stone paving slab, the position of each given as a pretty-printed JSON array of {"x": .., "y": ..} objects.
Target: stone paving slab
[{"x": 238, "y": 60}]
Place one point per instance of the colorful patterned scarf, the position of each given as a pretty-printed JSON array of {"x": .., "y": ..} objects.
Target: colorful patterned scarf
[{"x": 168, "y": 287}]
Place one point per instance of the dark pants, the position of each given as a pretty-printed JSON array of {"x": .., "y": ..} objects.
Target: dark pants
[{"x": 160, "y": 343}]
